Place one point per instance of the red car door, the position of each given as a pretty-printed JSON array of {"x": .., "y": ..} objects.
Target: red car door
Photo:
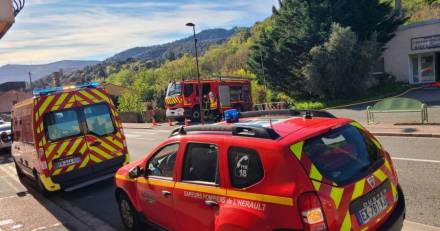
[
  {"x": 156, "y": 189},
  {"x": 198, "y": 195}
]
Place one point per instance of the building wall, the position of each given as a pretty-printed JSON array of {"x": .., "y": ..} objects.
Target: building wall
[
  {"x": 10, "y": 98},
  {"x": 396, "y": 55}
]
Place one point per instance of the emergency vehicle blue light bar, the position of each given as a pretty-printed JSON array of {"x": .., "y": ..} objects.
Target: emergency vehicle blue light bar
[
  {"x": 46, "y": 91},
  {"x": 231, "y": 116}
]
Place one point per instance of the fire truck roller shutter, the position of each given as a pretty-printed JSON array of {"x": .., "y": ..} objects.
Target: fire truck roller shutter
[{"x": 224, "y": 96}]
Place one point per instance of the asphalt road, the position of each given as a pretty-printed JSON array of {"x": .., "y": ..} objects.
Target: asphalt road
[{"x": 417, "y": 161}]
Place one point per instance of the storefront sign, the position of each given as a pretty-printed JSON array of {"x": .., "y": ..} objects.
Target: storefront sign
[{"x": 424, "y": 43}]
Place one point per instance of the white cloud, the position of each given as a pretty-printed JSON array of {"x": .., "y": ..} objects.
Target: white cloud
[{"x": 48, "y": 30}]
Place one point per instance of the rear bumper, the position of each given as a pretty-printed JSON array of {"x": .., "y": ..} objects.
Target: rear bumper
[
  {"x": 81, "y": 176},
  {"x": 395, "y": 221}
]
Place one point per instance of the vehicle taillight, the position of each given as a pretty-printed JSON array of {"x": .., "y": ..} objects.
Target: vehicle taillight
[{"x": 311, "y": 212}]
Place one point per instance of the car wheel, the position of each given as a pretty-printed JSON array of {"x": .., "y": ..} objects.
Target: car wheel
[
  {"x": 128, "y": 215},
  {"x": 195, "y": 115},
  {"x": 40, "y": 185}
]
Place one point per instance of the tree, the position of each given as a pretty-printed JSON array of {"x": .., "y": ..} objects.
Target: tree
[
  {"x": 282, "y": 49},
  {"x": 130, "y": 102},
  {"x": 341, "y": 66}
]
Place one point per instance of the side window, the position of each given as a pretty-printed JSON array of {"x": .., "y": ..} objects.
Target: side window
[
  {"x": 236, "y": 93},
  {"x": 188, "y": 90},
  {"x": 162, "y": 163},
  {"x": 201, "y": 163},
  {"x": 245, "y": 167}
]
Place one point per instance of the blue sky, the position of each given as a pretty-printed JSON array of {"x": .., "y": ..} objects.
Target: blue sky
[{"x": 52, "y": 30}]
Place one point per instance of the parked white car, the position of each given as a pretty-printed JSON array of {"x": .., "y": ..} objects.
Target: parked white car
[{"x": 5, "y": 134}]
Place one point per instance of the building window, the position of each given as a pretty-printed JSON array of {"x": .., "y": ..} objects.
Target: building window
[{"x": 423, "y": 68}]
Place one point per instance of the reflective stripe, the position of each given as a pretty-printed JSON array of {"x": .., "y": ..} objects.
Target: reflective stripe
[
  {"x": 315, "y": 174},
  {"x": 358, "y": 189},
  {"x": 287, "y": 201},
  {"x": 201, "y": 188},
  {"x": 346, "y": 224},
  {"x": 380, "y": 175},
  {"x": 297, "y": 149},
  {"x": 316, "y": 185},
  {"x": 336, "y": 195}
]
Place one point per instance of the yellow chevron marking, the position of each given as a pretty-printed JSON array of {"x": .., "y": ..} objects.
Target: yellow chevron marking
[
  {"x": 394, "y": 191},
  {"x": 365, "y": 228},
  {"x": 380, "y": 175},
  {"x": 108, "y": 147},
  {"x": 316, "y": 185},
  {"x": 297, "y": 149},
  {"x": 70, "y": 168},
  {"x": 346, "y": 224},
  {"x": 74, "y": 146},
  {"x": 83, "y": 149},
  {"x": 62, "y": 148},
  {"x": 102, "y": 153},
  {"x": 45, "y": 104},
  {"x": 378, "y": 145},
  {"x": 91, "y": 97},
  {"x": 315, "y": 174},
  {"x": 94, "y": 158},
  {"x": 50, "y": 149},
  {"x": 100, "y": 94},
  {"x": 59, "y": 101},
  {"x": 336, "y": 195},
  {"x": 358, "y": 189},
  {"x": 84, "y": 162},
  {"x": 115, "y": 142},
  {"x": 57, "y": 172}
]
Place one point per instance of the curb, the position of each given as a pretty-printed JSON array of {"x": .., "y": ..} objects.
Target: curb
[
  {"x": 374, "y": 100},
  {"x": 418, "y": 135}
]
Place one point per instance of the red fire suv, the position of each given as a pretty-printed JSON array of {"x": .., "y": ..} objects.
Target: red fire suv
[{"x": 287, "y": 170}]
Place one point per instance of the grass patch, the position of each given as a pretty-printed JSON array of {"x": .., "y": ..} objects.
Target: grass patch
[{"x": 375, "y": 93}]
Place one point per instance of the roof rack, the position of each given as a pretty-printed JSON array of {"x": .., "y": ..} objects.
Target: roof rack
[
  {"x": 287, "y": 112},
  {"x": 236, "y": 130}
]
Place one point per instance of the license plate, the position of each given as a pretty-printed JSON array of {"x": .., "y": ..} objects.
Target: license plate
[
  {"x": 66, "y": 161},
  {"x": 369, "y": 206}
]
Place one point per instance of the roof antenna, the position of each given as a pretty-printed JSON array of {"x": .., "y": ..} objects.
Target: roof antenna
[{"x": 270, "y": 119}]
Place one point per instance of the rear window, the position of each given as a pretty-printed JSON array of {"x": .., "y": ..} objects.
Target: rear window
[
  {"x": 343, "y": 155},
  {"x": 99, "y": 120},
  {"x": 62, "y": 124}
]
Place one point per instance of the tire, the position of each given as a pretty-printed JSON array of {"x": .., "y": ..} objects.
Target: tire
[
  {"x": 195, "y": 115},
  {"x": 40, "y": 186},
  {"x": 129, "y": 217}
]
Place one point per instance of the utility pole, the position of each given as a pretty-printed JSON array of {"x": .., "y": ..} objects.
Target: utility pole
[
  {"x": 30, "y": 81},
  {"x": 202, "y": 112}
]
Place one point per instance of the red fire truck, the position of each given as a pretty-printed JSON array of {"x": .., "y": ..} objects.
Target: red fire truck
[{"x": 218, "y": 95}]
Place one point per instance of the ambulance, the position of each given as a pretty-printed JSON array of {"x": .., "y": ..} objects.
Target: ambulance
[{"x": 66, "y": 138}]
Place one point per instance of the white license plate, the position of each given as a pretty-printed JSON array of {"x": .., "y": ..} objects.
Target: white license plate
[
  {"x": 66, "y": 161},
  {"x": 372, "y": 207}
]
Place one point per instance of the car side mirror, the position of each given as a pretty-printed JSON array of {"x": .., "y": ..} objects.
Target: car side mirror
[{"x": 135, "y": 172}]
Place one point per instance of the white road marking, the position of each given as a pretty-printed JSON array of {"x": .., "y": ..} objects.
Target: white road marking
[
  {"x": 416, "y": 160},
  {"x": 17, "y": 226}
]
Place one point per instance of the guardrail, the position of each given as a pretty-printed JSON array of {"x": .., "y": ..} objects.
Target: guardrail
[{"x": 271, "y": 106}]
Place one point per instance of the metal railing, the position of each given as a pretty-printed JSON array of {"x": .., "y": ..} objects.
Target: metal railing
[{"x": 18, "y": 6}]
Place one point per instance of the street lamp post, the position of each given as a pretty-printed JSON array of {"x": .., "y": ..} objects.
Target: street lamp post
[{"x": 190, "y": 24}]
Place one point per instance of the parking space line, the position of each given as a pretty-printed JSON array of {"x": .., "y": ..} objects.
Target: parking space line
[{"x": 416, "y": 160}]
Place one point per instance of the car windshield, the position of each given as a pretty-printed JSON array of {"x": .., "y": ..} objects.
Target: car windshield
[
  {"x": 174, "y": 89},
  {"x": 343, "y": 155},
  {"x": 98, "y": 119},
  {"x": 62, "y": 124}
]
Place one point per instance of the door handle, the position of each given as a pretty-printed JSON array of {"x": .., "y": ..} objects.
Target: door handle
[
  {"x": 96, "y": 143},
  {"x": 166, "y": 193},
  {"x": 211, "y": 203}
]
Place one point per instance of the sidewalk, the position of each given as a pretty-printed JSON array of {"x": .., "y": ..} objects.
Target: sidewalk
[{"x": 386, "y": 129}]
